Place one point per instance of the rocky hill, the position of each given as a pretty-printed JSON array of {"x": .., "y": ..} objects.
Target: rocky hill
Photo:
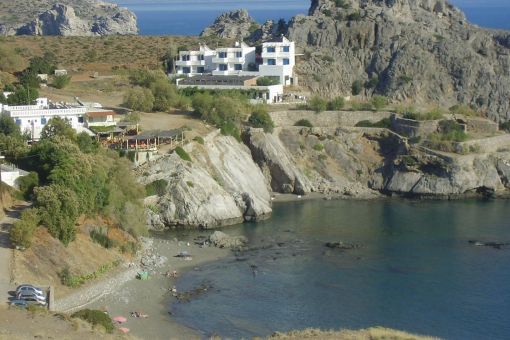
[
  {"x": 418, "y": 50},
  {"x": 65, "y": 17}
]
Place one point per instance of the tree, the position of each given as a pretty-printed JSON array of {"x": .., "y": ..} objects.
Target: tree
[
  {"x": 268, "y": 81},
  {"x": 8, "y": 126},
  {"x": 27, "y": 184},
  {"x": 281, "y": 27},
  {"x": 59, "y": 210},
  {"x": 61, "y": 81},
  {"x": 58, "y": 127},
  {"x": 22, "y": 231},
  {"x": 43, "y": 65},
  {"x": 317, "y": 104},
  {"x": 23, "y": 95},
  {"x": 260, "y": 118},
  {"x": 86, "y": 143},
  {"x": 139, "y": 99},
  {"x": 357, "y": 86},
  {"x": 30, "y": 79},
  {"x": 165, "y": 95},
  {"x": 203, "y": 104}
]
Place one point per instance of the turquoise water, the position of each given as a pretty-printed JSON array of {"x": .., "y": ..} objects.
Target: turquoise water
[
  {"x": 190, "y": 17},
  {"x": 414, "y": 271}
]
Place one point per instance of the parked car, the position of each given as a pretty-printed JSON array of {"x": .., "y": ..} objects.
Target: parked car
[
  {"x": 19, "y": 303},
  {"x": 30, "y": 296},
  {"x": 29, "y": 288}
]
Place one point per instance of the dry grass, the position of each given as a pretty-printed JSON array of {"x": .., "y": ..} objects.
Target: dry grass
[
  {"x": 103, "y": 54},
  {"x": 43, "y": 261},
  {"x": 375, "y": 333}
]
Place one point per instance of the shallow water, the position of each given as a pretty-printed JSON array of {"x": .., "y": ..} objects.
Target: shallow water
[{"x": 415, "y": 271}]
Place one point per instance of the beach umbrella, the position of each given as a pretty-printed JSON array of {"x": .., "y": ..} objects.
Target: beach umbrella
[
  {"x": 119, "y": 319},
  {"x": 124, "y": 330}
]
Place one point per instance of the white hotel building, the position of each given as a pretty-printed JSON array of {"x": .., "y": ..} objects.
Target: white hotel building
[{"x": 276, "y": 60}]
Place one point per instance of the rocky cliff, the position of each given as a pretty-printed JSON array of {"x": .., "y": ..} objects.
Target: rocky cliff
[
  {"x": 422, "y": 51},
  {"x": 231, "y": 25},
  {"x": 367, "y": 162},
  {"x": 220, "y": 186},
  {"x": 65, "y": 17}
]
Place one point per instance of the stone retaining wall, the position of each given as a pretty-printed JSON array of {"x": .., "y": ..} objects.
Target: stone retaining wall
[
  {"x": 326, "y": 118},
  {"x": 490, "y": 144},
  {"x": 413, "y": 128}
]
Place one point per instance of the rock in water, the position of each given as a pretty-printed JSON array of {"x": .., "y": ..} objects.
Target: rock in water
[
  {"x": 70, "y": 18},
  {"x": 448, "y": 62},
  {"x": 222, "y": 240}
]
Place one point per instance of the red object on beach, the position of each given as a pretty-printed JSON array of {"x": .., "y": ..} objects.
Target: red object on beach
[
  {"x": 124, "y": 330},
  {"x": 119, "y": 319}
]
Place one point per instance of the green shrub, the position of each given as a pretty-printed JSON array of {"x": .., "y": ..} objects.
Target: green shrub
[
  {"x": 190, "y": 184},
  {"x": 229, "y": 128},
  {"x": 361, "y": 106},
  {"x": 318, "y": 147},
  {"x": 23, "y": 230},
  {"x": 27, "y": 184},
  {"x": 158, "y": 187},
  {"x": 465, "y": 110},
  {"x": 62, "y": 81},
  {"x": 139, "y": 99},
  {"x": 342, "y": 4},
  {"x": 303, "y": 122},
  {"x": 199, "y": 140},
  {"x": 95, "y": 317},
  {"x": 505, "y": 126},
  {"x": 129, "y": 248},
  {"x": 100, "y": 236},
  {"x": 317, "y": 104},
  {"x": 378, "y": 102},
  {"x": 383, "y": 123},
  {"x": 354, "y": 16},
  {"x": 373, "y": 82},
  {"x": 337, "y": 103},
  {"x": 357, "y": 87},
  {"x": 260, "y": 118},
  {"x": 268, "y": 81},
  {"x": 431, "y": 115},
  {"x": 183, "y": 154}
]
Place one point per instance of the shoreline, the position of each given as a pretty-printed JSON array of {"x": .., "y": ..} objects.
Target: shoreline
[{"x": 153, "y": 296}]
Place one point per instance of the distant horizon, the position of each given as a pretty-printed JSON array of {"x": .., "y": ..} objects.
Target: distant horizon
[{"x": 190, "y": 17}]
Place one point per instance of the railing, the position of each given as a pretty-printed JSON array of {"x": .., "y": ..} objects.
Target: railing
[
  {"x": 46, "y": 112},
  {"x": 218, "y": 60},
  {"x": 190, "y": 63}
]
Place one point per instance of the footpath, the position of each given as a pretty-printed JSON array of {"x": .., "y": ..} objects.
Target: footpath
[{"x": 6, "y": 251}]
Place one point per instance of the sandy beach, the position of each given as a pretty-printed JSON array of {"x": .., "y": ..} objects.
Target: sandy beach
[{"x": 152, "y": 297}]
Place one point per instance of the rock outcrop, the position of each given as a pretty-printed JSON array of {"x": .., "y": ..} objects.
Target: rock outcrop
[
  {"x": 422, "y": 51},
  {"x": 236, "y": 24},
  {"x": 221, "y": 186},
  {"x": 72, "y": 18}
]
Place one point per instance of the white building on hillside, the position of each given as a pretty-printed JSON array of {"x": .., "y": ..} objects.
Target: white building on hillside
[
  {"x": 33, "y": 118},
  {"x": 195, "y": 62},
  {"x": 278, "y": 60},
  {"x": 234, "y": 60}
]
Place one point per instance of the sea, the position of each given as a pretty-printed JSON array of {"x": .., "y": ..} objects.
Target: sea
[
  {"x": 190, "y": 17},
  {"x": 411, "y": 267}
]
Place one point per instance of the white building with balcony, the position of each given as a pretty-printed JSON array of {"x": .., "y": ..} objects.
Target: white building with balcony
[
  {"x": 195, "y": 62},
  {"x": 278, "y": 60},
  {"x": 32, "y": 118},
  {"x": 234, "y": 60}
]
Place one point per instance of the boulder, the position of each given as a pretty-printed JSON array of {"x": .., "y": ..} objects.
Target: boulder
[{"x": 222, "y": 240}]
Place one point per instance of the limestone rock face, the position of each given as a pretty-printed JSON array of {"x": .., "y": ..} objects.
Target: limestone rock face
[
  {"x": 231, "y": 25},
  {"x": 221, "y": 186},
  {"x": 419, "y": 50},
  {"x": 87, "y": 18}
]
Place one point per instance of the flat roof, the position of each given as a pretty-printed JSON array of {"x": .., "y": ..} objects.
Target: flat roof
[
  {"x": 215, "y": 80},
  {"x": 156, "y": 134}
]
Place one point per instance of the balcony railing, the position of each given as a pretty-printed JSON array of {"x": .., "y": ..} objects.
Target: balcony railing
[
  {"x": 235, "y": 60},
  {"x": 190, "y": 63}
]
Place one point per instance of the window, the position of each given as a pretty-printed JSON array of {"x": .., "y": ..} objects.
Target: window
[
  {"x": 186, "y": 70},
  {"x": 185, "y": 57},
  {"x": 222, "y": 55},
  {"x": 271, "y": 61},
  {"x": 286, "y": 49},
  {"x": 18, "y": 121},
  {"x": 200, "y": 70},
  {"x": 43, "y": 121},
  {"x": 223, "y": 67},
  {"x": 286, "y": 61},
  {"x": 80, "y": 119},
  {"x": 201, "y": 57},
  {"x": 271, "y": 49},
  {"x": 239, "y": 54},
  {"x": 238, "y": 67}
]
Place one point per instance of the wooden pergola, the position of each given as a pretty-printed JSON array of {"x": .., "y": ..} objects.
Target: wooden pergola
[{"x": 150, "y": 140}]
